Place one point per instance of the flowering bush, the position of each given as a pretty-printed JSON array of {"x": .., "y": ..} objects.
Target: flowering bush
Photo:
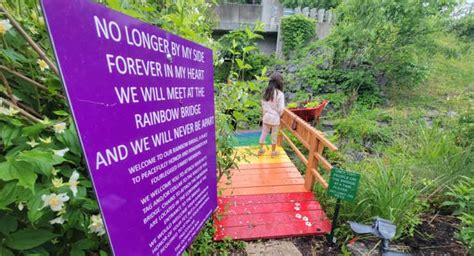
[{"x": 47, "y": 203}]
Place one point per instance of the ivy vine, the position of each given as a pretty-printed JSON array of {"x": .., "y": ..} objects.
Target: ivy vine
[{"x": 296, "y": 31}]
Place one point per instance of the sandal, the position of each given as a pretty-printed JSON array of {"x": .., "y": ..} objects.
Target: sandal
[
  {"x": 275, "y": 153},
  {"x": 261, "y": 151}
]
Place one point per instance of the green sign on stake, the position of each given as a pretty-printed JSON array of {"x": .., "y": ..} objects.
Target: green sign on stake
[{"x": 343, "y": 185}]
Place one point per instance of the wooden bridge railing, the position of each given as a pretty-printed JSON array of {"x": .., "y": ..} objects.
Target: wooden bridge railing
[{"x": 313, "y": 140}]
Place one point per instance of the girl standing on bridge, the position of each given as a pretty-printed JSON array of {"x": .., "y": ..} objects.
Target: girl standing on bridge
[{"x": 273, "y": 103}]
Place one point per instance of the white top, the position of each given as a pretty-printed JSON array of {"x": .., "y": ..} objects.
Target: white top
[{"x": 273, "y": 109}]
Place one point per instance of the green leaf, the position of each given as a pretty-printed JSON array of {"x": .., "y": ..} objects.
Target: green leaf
[
  {"x": 5, "y": 252},
  {"x": 28, "y": 238},
  {"x": 77, "y": 252},
  {"x": 8, "y": 134},
  {"x": 34, "y": 205},
  {"x": 6, "y": 171},
  {"x": 114, "y": 4},
  {"x": 12, "y": 56},
  {"x": 9, "y": 194},
  {"x": 239, "y": 116},
  {"x": 70, "y": 139},
  {"x": 249, "y": 48},
  {"x": 8, "y": 224},
  {"x": 42, "y": 160},
  {"x": 33, "y": 130},
  {"x": 90, "y": 205},
  {"x": 240, "y": 63},
  {"x": 84, "y": 244},
  {"x": 61, "y": 113},
  {"x": 22, "y": 171}
]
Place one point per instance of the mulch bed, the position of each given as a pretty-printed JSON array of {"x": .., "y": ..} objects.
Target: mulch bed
[{"x": 436, "y": 235}]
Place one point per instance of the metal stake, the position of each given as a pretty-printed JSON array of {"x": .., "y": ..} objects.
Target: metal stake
[{"x": 334, "y": 221}]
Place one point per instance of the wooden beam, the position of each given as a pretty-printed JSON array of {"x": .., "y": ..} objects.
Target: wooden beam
[
  {"x": 297, "y": 151},
  {"x": 320, "y": 178},
  {"x": 312, "y": 161},
  {"x": 319, "y": 135},
  {"x": 324, "y": 163},
  {"x": 300, "y": 139},
  {"x": 30, "y": 41}
]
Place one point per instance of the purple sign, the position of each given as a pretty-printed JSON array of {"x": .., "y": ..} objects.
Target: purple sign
[{"x": 143, "y": 102}]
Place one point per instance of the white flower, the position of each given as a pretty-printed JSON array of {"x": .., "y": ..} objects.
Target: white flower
[
  {"x": 21, "y": 206},
  {"x": 54, "y": 172},
  {"x": 297, "y": 204},
  {"x": 96, "y": 226},
  {"x": 13, "y": 111},
  {"x": 58, "y": 220},
  {"x": 305, "y": 218},
  {"x": 4, "y": 111},
  {"x": 59, "y": 127},
  {"x": 32, "y": 143},
  {"x": 55, "y": 202},
  {"x": 73, "y": 182},
  {"x": 298, "y": 216},
  {"x": 4, "y": 26},
  {"x": 46, "y": 140},
  {"x": 61, "y": 152},
  {"x": 42, "y": 64},
  {"x": 297, "y": 208},
  {"x": 309, "y": 224},
  {"x": 8, "y": 111},
  {"x": 57, "y": 182}
]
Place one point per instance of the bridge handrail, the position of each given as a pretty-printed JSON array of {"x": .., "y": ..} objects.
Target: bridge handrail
[{"x": 313, "y": 140}]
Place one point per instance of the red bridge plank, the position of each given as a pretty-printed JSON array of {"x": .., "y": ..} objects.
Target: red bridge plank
[{"x": 249, "y": 217}]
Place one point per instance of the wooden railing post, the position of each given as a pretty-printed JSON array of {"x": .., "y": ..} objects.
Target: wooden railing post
[
  {"x": 309, "y": 177},
  {"x": 280, "y": 137},
  {"x": 313, "y": 140}
]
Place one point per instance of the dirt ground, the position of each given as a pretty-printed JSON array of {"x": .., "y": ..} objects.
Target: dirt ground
[{"x": 434, "y": 236}]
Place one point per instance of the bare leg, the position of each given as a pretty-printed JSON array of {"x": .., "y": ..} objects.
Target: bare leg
[
  {"x": 274, "y": 139},
  {"x": 265, "y": 131}
]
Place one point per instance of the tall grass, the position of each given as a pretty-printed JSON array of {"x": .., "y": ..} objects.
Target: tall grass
[
  {"x": 387, "y": 191},
  {"x": 432, "y": 156}
]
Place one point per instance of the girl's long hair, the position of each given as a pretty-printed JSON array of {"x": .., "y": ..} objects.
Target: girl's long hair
[{"x": 276, "y": 82}]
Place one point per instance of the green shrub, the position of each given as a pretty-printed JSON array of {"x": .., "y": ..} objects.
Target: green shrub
[
  {"x": 465, "y": 129},
  {"x": 239, "y": 52},
  {"x": 296, "y": 30},
  {"x": 325, "y": 4},
  {"x": 432, "y": 156},
  {"x": 377, "y": 37},
  {"x": 362, "y": 126},
  {"x": 461, "y": 198},
  {"x": 292, "y": 105},
  {"x": 387, "y": 191},
  {"x": 466, "y": 232},
  {"x": 204, "y": 243},
  {"x": 312, "y": 104},
  {"x": 464, "y": 26}
]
